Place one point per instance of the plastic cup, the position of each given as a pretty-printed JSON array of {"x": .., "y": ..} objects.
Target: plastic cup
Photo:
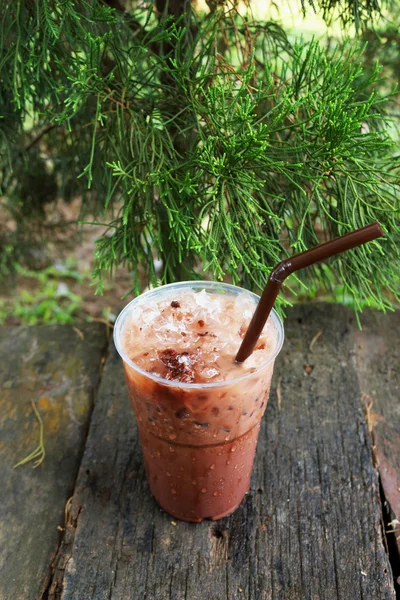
[{"x": 198, "y": 440}]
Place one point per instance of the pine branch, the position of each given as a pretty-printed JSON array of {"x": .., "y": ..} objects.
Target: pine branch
[
  {"x": 357, "y": 12},
  {"x": 216, "y": 162}
]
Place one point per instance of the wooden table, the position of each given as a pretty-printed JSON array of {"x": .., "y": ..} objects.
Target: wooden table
[{"x": 324, "y": 489}]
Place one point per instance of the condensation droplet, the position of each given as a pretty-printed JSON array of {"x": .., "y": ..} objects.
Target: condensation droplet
[
  {"x": 215, "y": 493},
  {"x": 233, "y": 449},
  {"x": 203, "y": 491},
  {"x": 173, "y": 491},
  {"x": 168, "y": 474},
  {"x": 212, "y": 466},
  {"x": 228, "y": 462},
  {"x": 171, "y": 449},
  {"x": 172, "y": 436}
]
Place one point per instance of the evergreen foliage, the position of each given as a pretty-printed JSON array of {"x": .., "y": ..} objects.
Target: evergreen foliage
[{"x": 214, "y": 143}]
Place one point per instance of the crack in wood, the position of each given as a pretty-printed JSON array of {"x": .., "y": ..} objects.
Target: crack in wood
[
  {"x": 219, "y": 546},
  {"x": 375, "y": 353},
  {"x": 390, "y": 541}
]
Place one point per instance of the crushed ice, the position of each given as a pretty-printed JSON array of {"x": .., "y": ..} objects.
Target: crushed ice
[{"x": 202, "y": 330}]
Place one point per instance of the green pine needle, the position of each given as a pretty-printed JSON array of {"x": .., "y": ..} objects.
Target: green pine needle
[{"x": 211, "y": 143}]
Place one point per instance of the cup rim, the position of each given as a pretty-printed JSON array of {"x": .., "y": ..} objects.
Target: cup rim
[{"x": 182, "y": 385}]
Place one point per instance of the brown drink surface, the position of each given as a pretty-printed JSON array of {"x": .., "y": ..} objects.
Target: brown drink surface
[{"x": 198, "y": 440}]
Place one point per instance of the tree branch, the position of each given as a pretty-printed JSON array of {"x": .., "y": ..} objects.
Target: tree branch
[{"x": 39, "y": 136}]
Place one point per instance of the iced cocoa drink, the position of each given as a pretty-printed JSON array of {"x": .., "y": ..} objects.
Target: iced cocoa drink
[{"x": 198, "y": 411}]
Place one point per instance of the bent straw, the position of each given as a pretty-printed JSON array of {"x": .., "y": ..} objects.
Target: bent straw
[{"x": 295, "y": 263}]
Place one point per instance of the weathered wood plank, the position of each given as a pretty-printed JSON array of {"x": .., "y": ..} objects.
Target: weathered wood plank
[
  {"x": 309, "y": 529},
  {"x": 59, "y": 372},
  {"x": 376, "y": 355}
]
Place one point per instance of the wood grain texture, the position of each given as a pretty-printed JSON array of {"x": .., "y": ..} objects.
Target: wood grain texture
[
  {"x": 376, "y": 358},
  {"x": 309, "y": 529},
  {"x": 58, "y": 371}
]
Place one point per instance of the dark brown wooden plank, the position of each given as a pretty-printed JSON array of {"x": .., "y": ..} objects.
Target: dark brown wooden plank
[
  {"x": 376, "y": 355},
  {"x": 309, "y": 529},
  {"x": 59, "y": 372}
]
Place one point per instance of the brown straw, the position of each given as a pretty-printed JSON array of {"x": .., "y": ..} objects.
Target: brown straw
[{"x": 292, "y": 264}]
